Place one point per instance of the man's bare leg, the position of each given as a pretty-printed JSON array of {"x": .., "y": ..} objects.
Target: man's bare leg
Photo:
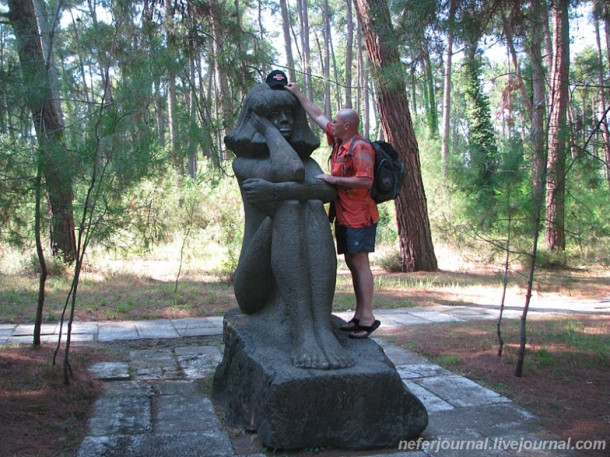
[{"x": 363, "y": 282}]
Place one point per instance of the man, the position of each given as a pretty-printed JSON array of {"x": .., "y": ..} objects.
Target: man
[{"x": 352, "y": 167}]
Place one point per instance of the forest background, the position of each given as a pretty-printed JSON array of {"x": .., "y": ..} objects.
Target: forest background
[
  {"x": 113, "y": 114},
  {"x": 115, "y": 181}
]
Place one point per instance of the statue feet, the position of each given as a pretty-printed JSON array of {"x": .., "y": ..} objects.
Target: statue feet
[
  {"x": 323, "y": 353},
  {"x": 308, "y": 354},
  {"x": 336, "y": 354}
]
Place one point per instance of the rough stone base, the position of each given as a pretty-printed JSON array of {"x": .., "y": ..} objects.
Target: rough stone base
[{"x": 362, "y": 407}]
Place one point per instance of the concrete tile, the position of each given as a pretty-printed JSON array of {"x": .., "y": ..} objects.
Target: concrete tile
[
  {"x": 21, "y": 339},
  {"x": 421, "y": 370},
  {"x": 485, "y": 419},
  {"x": 184, "y": 413},
  {"x": 459, "y": 391},
  {"x": 154, "y": 364},
  {"x": 84, "y": 327},
  {"x": 211, "y": 443},
  {"x": 74, "y": 338},
  {"x": 6, "y": 329},
  {"x": 190, "y": 444},
  {"x": 431, "y": 402},
  {"x": 110, "y": 331},
  {"x": 177, "y": 387},
  {"x": 121, "y": 414},
  {"x": 198, "y": 326},
  {"x": 433, "y": 316},
  {"x": 45, "y": 329},
  {"x": 198, "y": 361},
  {"x": 110, "y": 371},
  {"x": 157, "y": 329},
  {"x": 401, "y": 319},
  {"x": 398, "y": 355}
]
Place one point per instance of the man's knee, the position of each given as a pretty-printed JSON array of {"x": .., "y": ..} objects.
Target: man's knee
[{"x": 358, "y": 261}]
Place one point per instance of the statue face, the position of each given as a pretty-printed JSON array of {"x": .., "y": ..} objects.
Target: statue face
[{"x": 283, "y": 119}]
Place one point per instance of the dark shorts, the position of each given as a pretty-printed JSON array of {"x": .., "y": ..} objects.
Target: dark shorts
[{"x": 354, "y": 240}]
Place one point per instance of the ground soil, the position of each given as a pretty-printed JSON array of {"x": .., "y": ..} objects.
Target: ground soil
[{"x": 567, "y": 388}]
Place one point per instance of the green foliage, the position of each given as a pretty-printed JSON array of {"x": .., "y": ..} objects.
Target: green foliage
[{"x": 391, "y": 262}]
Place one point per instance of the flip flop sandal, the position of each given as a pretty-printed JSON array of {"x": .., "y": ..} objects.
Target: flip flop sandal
[
  {"x": 351, "y": 328},
  {"x": 363, "y": 328}
]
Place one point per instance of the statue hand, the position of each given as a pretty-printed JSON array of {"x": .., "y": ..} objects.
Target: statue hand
[
  {"x": 260, "y": 123},
  {"x": 257, "y": 189}
]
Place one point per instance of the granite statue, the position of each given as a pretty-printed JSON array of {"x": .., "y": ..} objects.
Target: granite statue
[{"x": 287, "y": 268}]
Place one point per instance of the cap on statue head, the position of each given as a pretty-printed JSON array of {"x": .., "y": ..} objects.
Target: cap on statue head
[{"x": 277, "y": 79}]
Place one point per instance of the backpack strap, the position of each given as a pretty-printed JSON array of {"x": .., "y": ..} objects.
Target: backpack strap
[{"x": 351, "y": 145}]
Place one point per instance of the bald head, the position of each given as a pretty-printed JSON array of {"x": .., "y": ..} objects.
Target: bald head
[
  {"x": 351, "y": 116},
  {"x": 346, "y": 124}
]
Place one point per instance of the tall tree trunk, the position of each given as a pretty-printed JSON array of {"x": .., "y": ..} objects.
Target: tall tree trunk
[
  {"x": 48, "y": 124},
  {"x": 349, "y": 53},
  {"x": 602, "y": 100},
  {"x": 326, "y": 57},
  {"x": 305, "y": 49},
  {"x": 287, "y": 42},
  {"x": 171, "y": 88},
  {"x": 431, "y": 112},
  {"x": 223, "y": 95},
  {"x": 46, "y": 39},
  {"x": 447, "y": 91},
  {"x": 416, "y": 247},
  {"x": 191, "y": 164},
  {"x": 558, "y": 131},
  {"x": 538, "y": 110}
]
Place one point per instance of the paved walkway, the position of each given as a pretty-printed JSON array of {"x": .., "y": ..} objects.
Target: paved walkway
[
  {"x": 177, "y": 328},
  {"x": 153, "y": 405}
]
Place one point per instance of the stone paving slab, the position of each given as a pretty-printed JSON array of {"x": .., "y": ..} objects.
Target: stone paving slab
[
  {"x": 157, "y": 329},
  {"x": 122, "y": 414},
  {"x": 186, "y": 444},
  {"x": 459, "y": 391},
  {"x": 6, "y": 329},
  {"x": 111, "y": 331},
  {"x": 151, "y": 364},
  {"x": 85, "y": 327},
  {"x": 184, "y": 412},
  {"x": 74, "y": 337},
  {"x": 28, "y": 329},
  {"x": 394, "y": 320},
  {"x": 202, "y": 326},
  {"x": 198, "y": 361},
  {"x": 433, "y": 316},
  {"x": 432, "y": 402},
  {"x": 110, "y": 371},
  {"x": 421, "y": 370}
]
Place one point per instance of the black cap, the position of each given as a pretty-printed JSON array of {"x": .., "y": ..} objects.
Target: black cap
[{"x": 277, "y": 79}]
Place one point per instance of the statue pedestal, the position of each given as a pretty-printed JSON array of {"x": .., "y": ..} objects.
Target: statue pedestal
[{"x": 362, "y": 407}]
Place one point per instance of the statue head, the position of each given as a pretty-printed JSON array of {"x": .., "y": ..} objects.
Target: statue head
[{"x": 246, "y": 141}]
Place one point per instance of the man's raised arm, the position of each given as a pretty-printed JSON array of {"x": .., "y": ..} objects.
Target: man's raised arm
[{"x": 314, "y": 112}]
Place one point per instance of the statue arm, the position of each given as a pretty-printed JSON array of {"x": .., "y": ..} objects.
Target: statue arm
[{"x": 286, "y": 163}]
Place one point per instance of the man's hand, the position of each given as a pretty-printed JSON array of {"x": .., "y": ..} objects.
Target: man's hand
[
  {"x": 293, "y": 88},
  {"x": 330, "y": 179},
  {"x": 314, "y": 112},
  {"x": 349, "y": 182}
]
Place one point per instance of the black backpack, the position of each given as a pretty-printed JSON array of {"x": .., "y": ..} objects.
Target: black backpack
[{"x": 389, "y": 171}]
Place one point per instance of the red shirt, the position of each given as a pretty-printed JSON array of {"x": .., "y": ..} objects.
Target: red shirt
[{"x": 354, "y": 208}]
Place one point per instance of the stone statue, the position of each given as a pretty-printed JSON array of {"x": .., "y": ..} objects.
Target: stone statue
[{"x": 287, "y": 266}]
